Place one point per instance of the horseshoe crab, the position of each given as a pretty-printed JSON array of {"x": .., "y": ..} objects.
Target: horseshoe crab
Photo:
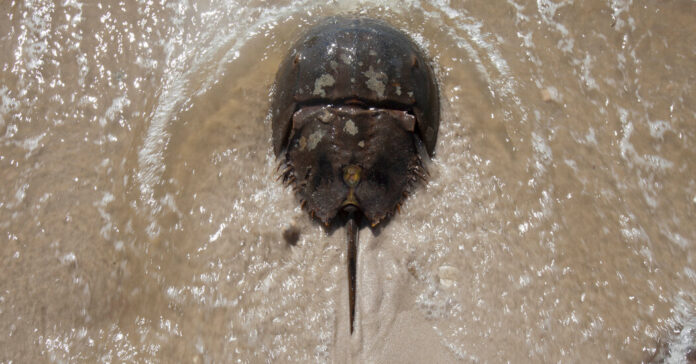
[{"x": 354, "y": 109}]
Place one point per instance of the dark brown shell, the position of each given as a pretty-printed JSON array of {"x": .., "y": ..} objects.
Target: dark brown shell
[
  {"x": 327, "y": 139},
  {"x": 355, "y": 59}
]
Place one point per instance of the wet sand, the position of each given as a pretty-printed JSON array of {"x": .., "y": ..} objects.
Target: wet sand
[{"x": 142, "y": 221}]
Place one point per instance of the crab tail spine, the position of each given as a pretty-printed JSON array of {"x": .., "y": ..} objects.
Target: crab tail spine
[{"x": 352, "y": 235}]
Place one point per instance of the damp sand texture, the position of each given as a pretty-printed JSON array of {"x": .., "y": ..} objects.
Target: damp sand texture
[{"x": 142, "y": 221}]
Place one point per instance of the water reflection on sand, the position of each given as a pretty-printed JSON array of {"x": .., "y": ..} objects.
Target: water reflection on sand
[{"x": 142, "y": 220}]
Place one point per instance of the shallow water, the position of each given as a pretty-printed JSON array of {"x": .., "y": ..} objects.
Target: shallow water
[{"x": 142, "y": 221}]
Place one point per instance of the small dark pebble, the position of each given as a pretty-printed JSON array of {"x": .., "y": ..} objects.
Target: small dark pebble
[{"x": 291, "y": 235}]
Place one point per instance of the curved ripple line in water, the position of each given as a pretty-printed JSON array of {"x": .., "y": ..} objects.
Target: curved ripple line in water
[{"x": 175, "y": 93}]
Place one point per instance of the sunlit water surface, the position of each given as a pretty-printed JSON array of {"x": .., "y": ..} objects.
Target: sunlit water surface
[{"x": 141, "y": 218}]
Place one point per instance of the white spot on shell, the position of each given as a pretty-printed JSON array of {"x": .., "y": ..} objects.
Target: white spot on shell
[
  {"x": 398, "y": 90},
  {"x": 375, "y": 81},
  {"x": 346, "y": 58},
  {"x": 324, "y": 81},
  {"x": 350, "y": 127},
  {"x": 325, "y": 116},
  {"x": 314, "y": 139},
  {"x": 361, "y": 144}
]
